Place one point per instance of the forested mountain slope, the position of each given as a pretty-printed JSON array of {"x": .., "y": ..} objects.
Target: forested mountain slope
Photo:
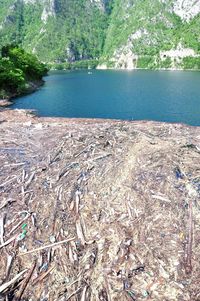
[
  {"x": 55, "y": 29},
  {"x": 154, "y": 33},
  {"x": 120, "y": 33}
]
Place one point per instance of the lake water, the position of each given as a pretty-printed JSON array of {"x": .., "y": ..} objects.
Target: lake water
[{"x": 172, "y": 96}]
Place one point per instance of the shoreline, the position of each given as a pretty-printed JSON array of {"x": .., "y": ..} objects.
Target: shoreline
[
  {"x": 125, "y": 69},
  {"x": 147, "y": 69},
  {"x": 31, "y": 117},
  {"x": 33, "y": 86}
]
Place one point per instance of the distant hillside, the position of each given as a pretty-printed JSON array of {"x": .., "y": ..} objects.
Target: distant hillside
[
  {"x": 55, "y": 29},
  {"x": 120, "y": 33},
  {"x": 154, "y": 34}
]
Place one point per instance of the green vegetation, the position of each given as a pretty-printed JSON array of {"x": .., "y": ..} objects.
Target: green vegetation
[
  {"x": 191, "y": 63},
  {"x": 166, "y": 63},
  {"x": 83, "y": 64},
  {"x": 146, "y": 62},
  {"x": 74, "y": 29},
  {"x": 17, "y": 69},
  {"x": 79, "y": 33},
  {"x": 157, "y": 27},
  {"x": 154, "y": 62}
]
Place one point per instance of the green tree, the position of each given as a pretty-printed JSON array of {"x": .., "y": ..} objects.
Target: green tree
[
  {"x": 28, "y": 63},
  {"x": 17, "y": 69}
]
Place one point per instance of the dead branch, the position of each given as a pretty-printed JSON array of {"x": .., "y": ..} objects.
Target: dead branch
[
  {"x": 25, "y": 283},
  {"x": 48, "y": 246},
  {"x": 6, "y": 285},
  {"x": 188, "y": 263}
]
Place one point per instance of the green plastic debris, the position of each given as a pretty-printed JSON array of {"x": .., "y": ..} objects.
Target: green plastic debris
[
  {"x": 22, "y": 235},
  {"x": 145, "y": 294},
  {"x": 24, "y": 226},
  {"x": 150, "y": 274},
  {"x": 131, "y": 294}
]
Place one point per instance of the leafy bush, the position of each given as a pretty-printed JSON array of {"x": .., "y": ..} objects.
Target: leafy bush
[
  {"x": 191, "y": 63},
  {"x": 84, "y": 64},
  {"x": 166, "y": 63},
  {"x": 17, "y": 68},
  {"x": 11, "y": 78},
  {"x": 28, "y": 63},
  {"x": 146, "y": 62}
]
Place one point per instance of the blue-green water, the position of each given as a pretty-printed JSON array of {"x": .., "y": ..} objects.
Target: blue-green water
[{"x": 172, "y": 96}]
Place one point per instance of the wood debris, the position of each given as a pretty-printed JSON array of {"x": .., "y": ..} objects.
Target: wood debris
[{"x": 98, "y": 210}]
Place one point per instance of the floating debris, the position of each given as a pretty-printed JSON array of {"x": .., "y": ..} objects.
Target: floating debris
[{"x": 98, "y": 210}]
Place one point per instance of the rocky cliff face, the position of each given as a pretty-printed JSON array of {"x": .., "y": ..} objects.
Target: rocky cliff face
[
  {"x": 153, "y": 34},
  {"x": 123, "y": 34},
  {"x": 186, "y": 9}
]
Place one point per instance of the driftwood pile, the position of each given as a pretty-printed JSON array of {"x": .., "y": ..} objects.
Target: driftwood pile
[{"x": 98, "y": 210}]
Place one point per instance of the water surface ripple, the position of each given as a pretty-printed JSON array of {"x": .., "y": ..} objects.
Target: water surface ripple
[{"x": 172, "y": 96}]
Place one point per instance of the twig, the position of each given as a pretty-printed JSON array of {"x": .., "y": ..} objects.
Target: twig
[
  {"x": 6, "y": 285},
  {"x": 2, "y": 220},
  {"x": 84, "y": 150},
  {"x": 48, "y": 246},
  {"x": 7, "y": 202},
  {"x": 74, "y": 293},
  {"x": 30, "y": 180},
  {"x": 188, "y": 264},
  {"x": 44, "y": 275},
  {"x": 80, "y": 233},
  {"x": 158, "y": 197},
  {"x": 83, "y": 297},
  {"x": 15, "y": 164},
  {"x": 23, "y": 175},
  {"x": 58, "y": 199},
  {"x": 100, "y": 157},
  {"x": 8, "y": 242},
  {"x": 19, "y": 224},
  {"x": 77, "y": 201},
  {"x": 9, "y": 265},
  {"x": 57, "y": 153},
  {"x": 8, "y": 181},
  {"x": 66, "y": 170},
  {"x": 25, "y": 283}
]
